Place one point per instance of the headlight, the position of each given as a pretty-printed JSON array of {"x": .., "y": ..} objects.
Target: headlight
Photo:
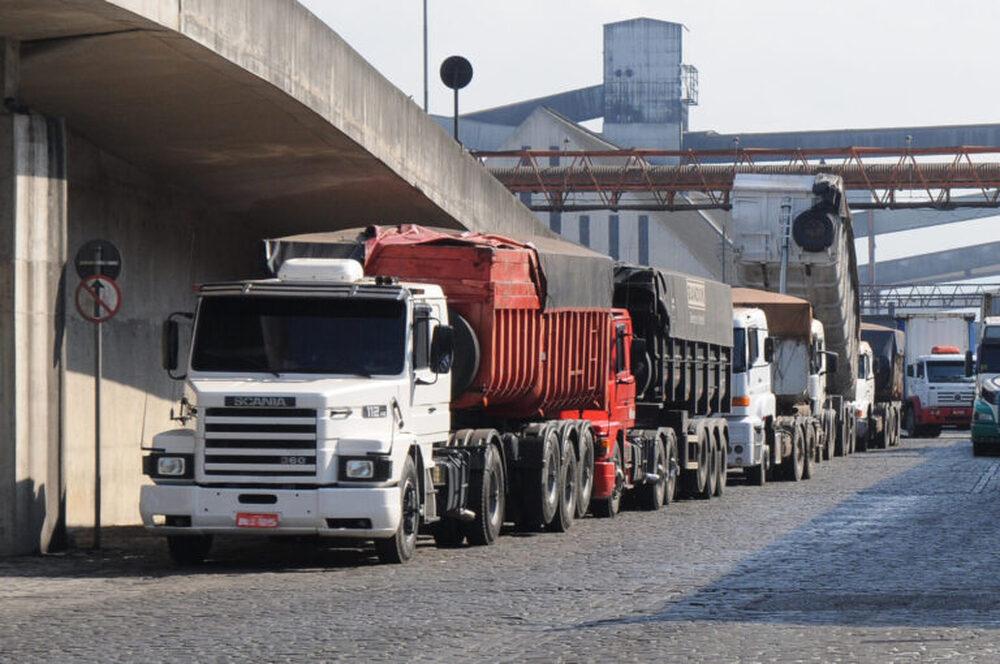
[
  {"x": 360, "y": 469},
  {"x": 375, "y": 468},
  {"x": 170, "y": 466},
  {"x": 984, "y": 417}
]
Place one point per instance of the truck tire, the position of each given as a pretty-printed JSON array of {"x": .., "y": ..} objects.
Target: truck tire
[
  {"x": 486, "y": 499},
  {"x": 608, "y": 507},
  {"x": 585, "y": 484},
  {"x": 932, "y": 430},
  {"x": 651, "y": 494},
  {"x": 568, "y": 476},
  {"x": 541, "y": 481},
  {"x": 909, "y": 423},
  {"x": 673, "y": 469},
  {"x": 721, "y": 463},
  {"x": 794, "y": 465},
  {"x": 829, "y": 435},
  {"x": 757, "y": 475},
  {"x": 712, "y": 472},
  {"x": 861, "y": 442},
  {"x": 447, "y": 533},
  {"x": 842, "y": 446},
  {"x": 693, "y": 482},
  {"x": 400, "y": 547},
  {"x": 852, "y": 429},
  {"x": 978, "y": 449},
  {"x": 809, "y": 456},
  {"x": 188, "y": 550}
]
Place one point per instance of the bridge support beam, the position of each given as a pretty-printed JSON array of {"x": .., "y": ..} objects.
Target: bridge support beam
[{"x": 32, "y": 259}]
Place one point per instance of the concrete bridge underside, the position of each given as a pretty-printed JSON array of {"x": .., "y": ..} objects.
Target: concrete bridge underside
[{"x": 183, "y": 132}]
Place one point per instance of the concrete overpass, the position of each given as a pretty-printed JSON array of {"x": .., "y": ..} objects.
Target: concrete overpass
[{"x": 182, "y": 131}]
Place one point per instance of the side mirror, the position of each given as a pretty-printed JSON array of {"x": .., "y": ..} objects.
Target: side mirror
[
  {"x": 769, "y": 349},
  {"x": 442, "y": 349},
  {"x": 968, "y": 361},
  {"x": 831, "y": 363},
  {"x": 641, "y": 370},
  {"x": 170, "y": 343}
]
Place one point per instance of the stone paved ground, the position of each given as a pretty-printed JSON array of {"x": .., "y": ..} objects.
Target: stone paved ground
[{"x": 884, "y": 556}]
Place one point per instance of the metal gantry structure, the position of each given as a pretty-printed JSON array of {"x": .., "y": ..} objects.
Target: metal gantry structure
[
  {"x": 878, "y": 298},
  {"x": 651, "y": 180}
]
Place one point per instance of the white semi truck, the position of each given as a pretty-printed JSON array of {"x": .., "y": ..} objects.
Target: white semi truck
[
  {"x": 782, "y": 416},
  {"x": 792, "y": 235}
]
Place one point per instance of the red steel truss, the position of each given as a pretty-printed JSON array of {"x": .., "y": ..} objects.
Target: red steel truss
[{"x": 943, "y": 178}]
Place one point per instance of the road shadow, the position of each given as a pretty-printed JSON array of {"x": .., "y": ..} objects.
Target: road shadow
[
  {"x": 132, "y": 552},
  {"x": 916, "y": 549}
]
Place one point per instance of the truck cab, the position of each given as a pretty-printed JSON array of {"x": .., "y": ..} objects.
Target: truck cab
[
  {"x": 938, "y": 392},
  {"x": 985, "y": 431},
  {"x": 751, "y": 423},
  {"x": 864, "y": 398},
  {"x": 306, "y": 387}
]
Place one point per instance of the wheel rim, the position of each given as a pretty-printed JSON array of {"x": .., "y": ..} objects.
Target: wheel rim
[
  {"x": 493, "y": 495},
  {"x": 411, "y": 511},
  {"x": 552, "y": 476},
  {"x": 661, "y": 470},
  {"x": 569, "y": 488}
]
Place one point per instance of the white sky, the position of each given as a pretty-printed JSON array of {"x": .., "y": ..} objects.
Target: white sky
[{"x": 764, "y": 65}]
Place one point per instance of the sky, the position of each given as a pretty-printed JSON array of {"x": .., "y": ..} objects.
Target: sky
[{"x": 764, "y": 65}]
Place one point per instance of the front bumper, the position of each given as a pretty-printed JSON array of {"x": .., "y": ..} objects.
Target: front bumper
[
  {"x": 985, "y": 432},
  {"x": 746, "y": 442},
  {"x": 363, "y": 512},
  {"x": 945, "y": 415}
]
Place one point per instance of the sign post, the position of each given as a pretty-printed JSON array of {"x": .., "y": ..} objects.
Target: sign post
[{"x": 98, "y": 299}]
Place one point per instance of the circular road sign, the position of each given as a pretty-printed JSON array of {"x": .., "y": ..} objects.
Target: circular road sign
[
  {"x": 98, "y": 298},
  {"x": 456, "y": 72},
  {"x": 98, "y": 257}
]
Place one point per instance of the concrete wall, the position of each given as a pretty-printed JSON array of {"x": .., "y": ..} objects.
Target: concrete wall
[
  {"x": 32, "y": 254},
  {"x": 169, "y": 241}
]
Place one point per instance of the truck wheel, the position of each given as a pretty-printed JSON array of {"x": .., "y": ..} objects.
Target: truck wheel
[
  {"x": 608, "y": 507},
  {"x": 188, "y": 550},
  {"x": 842, "y": 445},
  {"x": 808, "y": 457},
  {"x": 861, "y": 442},
  {"x": 722, "y": 463},
  {"x": 977, "y": 449},
  {"x": 829, "y": 436},
  {"x": 542, "y": 482},
  {"x": 651, "y": 494},
  {"x": 447, "y": 533},
  {"x": 794, "y": 465},
  {"x": 852, "y": 430},
  {"x": 932, "y": 430},
  {"x": 757, "y": 475},
  {"x": 400, "y": 547},
  {"x": 673, "y": 469},
  {"x": 585, "y": 483},
  {"x": 486, "y": 499},
  {"x": 909, "y": 424},
  {"x": 711, "y": 470},
  {"x": 568, "y": 476}
]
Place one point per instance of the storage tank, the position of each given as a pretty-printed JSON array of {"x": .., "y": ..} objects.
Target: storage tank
[{"x": 808, "y": 215}]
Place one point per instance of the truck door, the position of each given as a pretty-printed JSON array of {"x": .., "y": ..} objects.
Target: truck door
[{"x": 430, "y": 392}]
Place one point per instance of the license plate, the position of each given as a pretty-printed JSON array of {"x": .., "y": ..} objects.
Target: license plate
[{"x": 244, "y": 520}]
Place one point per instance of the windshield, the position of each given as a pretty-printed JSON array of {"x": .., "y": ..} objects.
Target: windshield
[
  {"x": 299, "y": 335},
  {"x": 989, "y": 359},
  {"x": 946, "y": 371},
  {"x": 739, "y": 350}
]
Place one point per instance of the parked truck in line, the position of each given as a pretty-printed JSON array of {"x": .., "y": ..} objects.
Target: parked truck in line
[
  {"x": 782, "y": 415},
  {"x": 878, "y": 404},
  {"x": 985, "y": 425},
  {"x": 397, "y": 379},
  {"x": 937, "y": 393},
  {"x": 792, "y": 235}
]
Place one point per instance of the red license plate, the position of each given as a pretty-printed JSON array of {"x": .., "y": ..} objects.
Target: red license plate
[{"x": 245, "y": 520}]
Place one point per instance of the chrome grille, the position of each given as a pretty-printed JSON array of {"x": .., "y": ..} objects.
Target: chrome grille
[
  {"x": 960, "y": 398},
  {"x": 260, "y": 442}
]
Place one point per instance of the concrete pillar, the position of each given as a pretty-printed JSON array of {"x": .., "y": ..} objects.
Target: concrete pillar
[{"x": 32, "y": 259}]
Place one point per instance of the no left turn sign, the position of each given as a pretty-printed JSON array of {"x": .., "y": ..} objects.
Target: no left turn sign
[{"x": 98, "y": 298}]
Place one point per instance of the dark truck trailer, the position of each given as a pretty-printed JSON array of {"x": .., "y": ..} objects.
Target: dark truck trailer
[
  {"x": 682, "y": 361},
  {"x": 888, "y": 349}
]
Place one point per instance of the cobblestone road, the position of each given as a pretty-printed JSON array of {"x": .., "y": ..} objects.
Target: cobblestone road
[{"x": 883, "y": 556}]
